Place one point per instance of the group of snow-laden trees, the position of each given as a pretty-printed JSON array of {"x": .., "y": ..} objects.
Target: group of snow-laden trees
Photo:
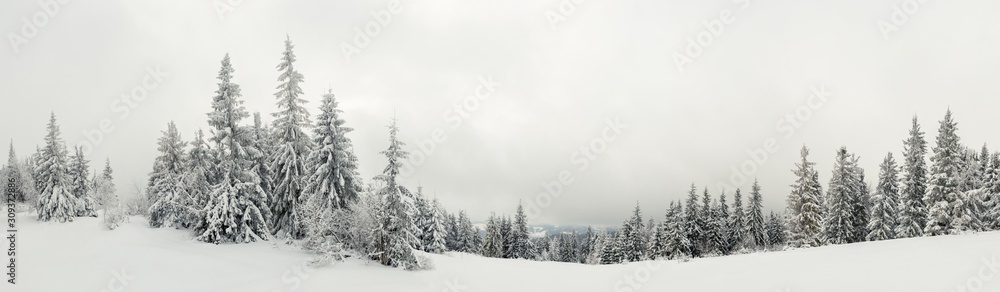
[
  {"x": 296, "y": 180},
  {"x": 699, "y": 227},
  {"x": 58, "y": 186},
  {"x": 959, "y": 192}
]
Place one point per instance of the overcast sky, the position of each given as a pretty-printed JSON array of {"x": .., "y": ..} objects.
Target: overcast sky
[{"x": 559, "y": 77}]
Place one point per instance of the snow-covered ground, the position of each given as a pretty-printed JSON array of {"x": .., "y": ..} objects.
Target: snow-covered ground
[{"x": 84, "y": 256}]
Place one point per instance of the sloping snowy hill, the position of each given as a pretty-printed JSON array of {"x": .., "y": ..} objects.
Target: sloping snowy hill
[{"x": 83, "y": 256}]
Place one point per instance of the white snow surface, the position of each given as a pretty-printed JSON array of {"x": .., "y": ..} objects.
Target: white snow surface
[{"x": 85, "y": 256}]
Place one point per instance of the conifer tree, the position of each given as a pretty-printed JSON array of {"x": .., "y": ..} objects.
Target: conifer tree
[
  {"x": 737, "y": 223},
  {"x": 55, "y": 201},
  {"x": 942, "y": 193},
  {"x": 521, "y": 243},
  {"x": 691, "y": 220},
  {"x": 81, "y": 187},
  {"x": 706, "y": 219},
  {"x": 238, "y": 208},
  {"x": 172, "y": 203},
  {"x": 804, "y": 210},
  {"x": 334, "y": 174},
  {"x": 676, "y": 240},
  {"x": 884, "y": 203},
  {"x": 775, "y": 231},
  {"x": 394, "y": 234},
  {"x": 838, "y": 222},
  {"x": 723, "y": 239},
  {"x": 293, "y": 145},
  {"x": 756, "y": 234},
  {"x": 913, "y": 211}
]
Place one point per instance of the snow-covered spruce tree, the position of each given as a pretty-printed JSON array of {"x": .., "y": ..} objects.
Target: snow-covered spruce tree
[
  {"x": 884, "y": 202},
  {"x": 263, "y": 148},
  {"x": 597, "y": 247},
  {"x": 912, "y": 210},
  {"x": 520, "y": 240},
  {"x": 706, "y": 219},
  {"x": 506, "y": 230},
  {"x": 838, "y": 225},
  {"x": 393, "y": 236},
  {"x": 692, "y": 221},
  {"x": 633, "y": 246},
  {"x": 992, "y": 188},
  {"x": 237, "y": 210},
  {"x": 775, "y": 231},
  {"x": 737, "y": 223},
  {"x": 104, "y": 191},
  {"x": 333, "y": 166},
  {"x": 722, "y": 238},
  {"x": 860, "y": 202},
  {"x": 942, "y": 192},
  {"x": 612, "y": 253},
  {"x": 435, "y": 229},
  {"x": 676, "y": 242},
  {"x": 56, "y": 201},
  {"x": 492, "y": 244},
  {"x": 287, "y": 162},
  {"x": 451, "y": 224},
  {"x": 804, "y": 210},
  {"x": 755, "y": 231},
  {"x": 198, "y": 176},
  {"x": 466, "y": 234},
  {"x": 80, "y": 186},
  {"x": 968, "y": 205},
  {"x": 172, "y": 204}
]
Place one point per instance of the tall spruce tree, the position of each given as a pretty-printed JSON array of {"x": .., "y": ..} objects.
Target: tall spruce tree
[
  {"x": 943, "y": 195},
  {"x": 56, "y": 201},
  {"x": 756, "y": 233},
  {"x": 238, "y": 208},
  {"x": 860, "y": 201},
  {"x": 692, "y": 221},
  {"x": 293, "y": 146},
  {"x": 333, "y": 166},
  {"x": 394, "y": 233},
  {"x": 521, "y": 242},
  {"x": 81, "y": 187},
  {"x": 723, "y": 238},
  {"x": 706, "y": 222},
  {"x": 172, "y": 202},
  {"x": 913, "y": 211},
  {"x": 838, "y": 224},
  {"x": 804, "y": 210},
  {"x": 884, "y": 202},
  {"x": 737, "y": 223}
]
